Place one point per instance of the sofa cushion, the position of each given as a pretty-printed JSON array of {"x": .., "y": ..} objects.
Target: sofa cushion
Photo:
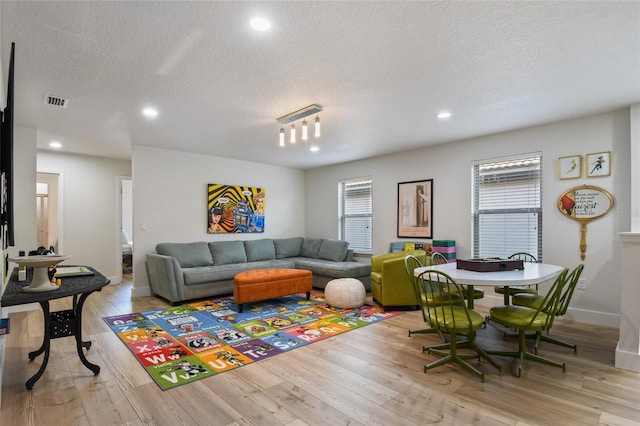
[
  {"x": 188, "y": 255},
  {"x": 257, "y": 250},
  {"x": 335, "y": 250},
  {"x": 215, "y": 274},
  {"x": 226, "y": 252},
  {"x": 310, "y": 247},
  {"x": 327, "y": 268},
  {"x": 288, "y": 247}
]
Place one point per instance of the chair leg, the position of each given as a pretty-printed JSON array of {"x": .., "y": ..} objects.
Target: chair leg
[
  {"x": 459, "y": 358},
  {"x": 538, "y": 336},
  {"x": 445, "y": 348},
  {"x": 485, "y": 355},
  {"x": 422, "y": 331},
  {"x": 537, "y": 343},
  {"x": 454, "y": 356},
  {"x": 546, "y": 338},
  {"x": 427, "y": 331},
  {"x": 523, "y": 354}
]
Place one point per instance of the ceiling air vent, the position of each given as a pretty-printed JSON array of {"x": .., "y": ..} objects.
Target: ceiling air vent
[{"x": 56, "y": 101}]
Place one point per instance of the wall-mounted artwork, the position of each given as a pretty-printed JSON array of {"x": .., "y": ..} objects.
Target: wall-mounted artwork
[
  {"x": 233, "y": 209},
  {"x": 599, "y": 164},
  {"x": 415, "y": 209},
  {"x": 584, "y": 204},
  {"x": 570, "y": 167}
]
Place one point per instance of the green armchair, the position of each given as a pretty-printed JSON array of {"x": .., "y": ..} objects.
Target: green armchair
[{"x": 390, "y": 285}]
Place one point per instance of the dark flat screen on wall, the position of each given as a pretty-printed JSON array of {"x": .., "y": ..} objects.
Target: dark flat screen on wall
[{"x": 6, "y": 160}]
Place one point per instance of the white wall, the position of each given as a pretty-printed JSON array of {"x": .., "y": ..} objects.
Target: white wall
[
  {"x": 90, "y": 214},
  {"x": 24, "y": 176},
  {"x": 24, "y": 190},
  {"x": 450, "y": 167},
  {"x": 170, "y": 200}
]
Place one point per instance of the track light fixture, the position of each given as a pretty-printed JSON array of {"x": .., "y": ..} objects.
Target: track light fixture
[{"x": 297, "y": 115}]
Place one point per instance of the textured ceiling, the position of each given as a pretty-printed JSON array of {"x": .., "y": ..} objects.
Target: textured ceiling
[{"x": 381, "y": 70}]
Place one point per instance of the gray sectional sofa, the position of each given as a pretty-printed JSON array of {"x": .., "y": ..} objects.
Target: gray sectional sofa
[{"x": 185, "y": 271}]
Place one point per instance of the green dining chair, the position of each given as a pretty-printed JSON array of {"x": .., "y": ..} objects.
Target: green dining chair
[
  {"x": 410, "y": 264},
  {"x": 535, "y": 300},
  {"x": 525, "y": 319},
  {"x": 527, "y": 258},
  {"x": 439, "y": 259},
  {"x": 442, "y": 310}
]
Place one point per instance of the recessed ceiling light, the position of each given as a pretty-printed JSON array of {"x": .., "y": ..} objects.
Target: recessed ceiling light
[
  {"x": 444, "y": 115},
  {"x": 55, "y": 144},
  {"x": 314, "y": 149},
  {"x": 150, "y": 112},
  {"x": 260, "y": 24}
]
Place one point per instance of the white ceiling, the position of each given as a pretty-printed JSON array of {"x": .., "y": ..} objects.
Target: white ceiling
[{"x": 381, "y": 70}]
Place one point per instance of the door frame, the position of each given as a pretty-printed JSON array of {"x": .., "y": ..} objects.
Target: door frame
[
  {"x": 60, "y": 200},
  {"x": 119, "y": 226}
]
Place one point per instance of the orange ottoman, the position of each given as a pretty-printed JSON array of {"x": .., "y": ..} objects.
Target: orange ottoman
[{"x": 263, "y": 284}]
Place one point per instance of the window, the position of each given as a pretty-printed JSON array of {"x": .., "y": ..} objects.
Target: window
[
  {"x": 507, "y": 206},
  {"x": 354, "y": 213}
]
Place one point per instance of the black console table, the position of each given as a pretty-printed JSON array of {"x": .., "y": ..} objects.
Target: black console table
[{"x": 60, "y": 323}]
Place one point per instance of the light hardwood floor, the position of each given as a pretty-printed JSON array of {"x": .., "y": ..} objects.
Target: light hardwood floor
[{"x": 370, "y": 376}]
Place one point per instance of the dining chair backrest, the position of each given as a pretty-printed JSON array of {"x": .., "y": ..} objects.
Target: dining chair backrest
[
  {"x": 410, "y": 264},
  {"x": 572, "y": 281},
  {"x": 551, "y": 302},
  {"x": 525, "y": 257},
  {"x": 438, "y": 258},
  {"x": 441, "y": 302}
]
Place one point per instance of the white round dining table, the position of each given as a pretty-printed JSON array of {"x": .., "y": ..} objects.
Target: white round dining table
[{"x": 533, "y": 273}]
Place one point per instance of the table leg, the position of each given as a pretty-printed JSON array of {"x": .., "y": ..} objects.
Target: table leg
[
  {"x": 470, "y": 296},
  {"x": 506, "y": 294},
  {"x": 78, "y": 335},
  {"x": 46, "y": 345},
  {"x": 73, "y": 320}
]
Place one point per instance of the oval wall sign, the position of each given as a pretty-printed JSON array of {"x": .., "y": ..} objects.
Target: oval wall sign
[{"x": 584, "y": 204}]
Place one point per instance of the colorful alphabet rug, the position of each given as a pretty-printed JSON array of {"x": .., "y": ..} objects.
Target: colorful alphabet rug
[{"x": 182, "y": 344}]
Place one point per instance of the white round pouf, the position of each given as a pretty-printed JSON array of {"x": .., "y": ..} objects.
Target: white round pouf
[{"x": 345, "y": 293}]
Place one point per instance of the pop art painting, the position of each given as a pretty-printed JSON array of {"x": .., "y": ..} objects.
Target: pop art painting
[{"x": 234, "y": 209}]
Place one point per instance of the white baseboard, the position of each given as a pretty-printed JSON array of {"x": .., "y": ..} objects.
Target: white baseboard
[
  {"x": 593, "y": 317},
  {"x": 19, "y": 308},
  {"x": 627, "y": 360},
  {"x": 140, "y": 291}
]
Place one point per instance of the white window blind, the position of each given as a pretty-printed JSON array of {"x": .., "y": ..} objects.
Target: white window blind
[
  {"x": 355, "y": 213},
  {"x": 507, "y": 206}
]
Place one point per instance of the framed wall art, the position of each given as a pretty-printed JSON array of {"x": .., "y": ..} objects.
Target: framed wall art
[
  {"x": 584, "y": 204},
  {"x": 233, "y": 209},
  {"x": 415, "y": 209},
  {"x": 570, "y": 167},
  {"x": 598, "y": 164}
]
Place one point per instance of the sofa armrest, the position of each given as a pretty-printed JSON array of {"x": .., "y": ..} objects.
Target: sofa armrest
[
  {"x": 378, "y": 260},
  {"x": 165, "y": 277},
  {"x": 395, "y": 285}
]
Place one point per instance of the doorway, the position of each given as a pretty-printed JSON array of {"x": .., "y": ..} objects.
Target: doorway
[
  {"x": 126, "y": 226},
  {"x": 47, "y": 211}
]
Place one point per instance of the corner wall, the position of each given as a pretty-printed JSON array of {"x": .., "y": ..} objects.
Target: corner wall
[
  {"x": 24, "y": 195},
  {"x": 450, "y": 167},
  {"x": 170, "y": 200}
]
